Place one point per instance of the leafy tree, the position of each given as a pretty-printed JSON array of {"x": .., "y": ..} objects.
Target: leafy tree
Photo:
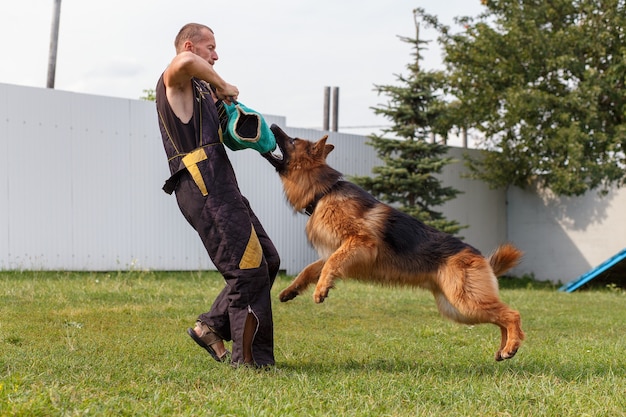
[
  {"x": 407, "y": 179},
  {"x": 149, "y": 95},
  {"x": 543, "y": 80}
]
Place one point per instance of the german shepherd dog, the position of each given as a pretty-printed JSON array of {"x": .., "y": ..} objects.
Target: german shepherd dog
[{"x": 357, "y": 236}]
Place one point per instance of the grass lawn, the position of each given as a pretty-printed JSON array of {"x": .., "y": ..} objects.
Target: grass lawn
[{"x": 114, "y": 344}]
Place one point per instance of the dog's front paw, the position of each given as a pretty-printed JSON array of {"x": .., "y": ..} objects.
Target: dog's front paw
[
  {"x": 287, "y": 294},
  {"x": 320, "y": 295}
]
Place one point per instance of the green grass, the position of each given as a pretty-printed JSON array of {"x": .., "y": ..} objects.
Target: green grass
[{"x": 110, "y": 344}]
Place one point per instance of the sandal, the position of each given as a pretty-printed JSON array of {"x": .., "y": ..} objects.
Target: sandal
[{"x": 208, "y": 337}]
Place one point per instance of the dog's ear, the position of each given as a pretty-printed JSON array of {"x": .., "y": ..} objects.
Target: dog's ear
[
  {"x": 318, "y": 147},
  {"x": 321, "y": 149},
  {"x": 328, "y": 149}
]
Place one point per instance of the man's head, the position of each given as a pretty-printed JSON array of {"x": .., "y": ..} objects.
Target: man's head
[{"x": 198, "y": 39}]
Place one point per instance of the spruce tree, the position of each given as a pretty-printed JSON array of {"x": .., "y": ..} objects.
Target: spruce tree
[{"x": 407, "y": 180}]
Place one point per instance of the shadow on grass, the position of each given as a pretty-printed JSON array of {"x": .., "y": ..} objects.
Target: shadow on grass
[
  {"x": 526, "y": 282},
  {"x": 567, "y": 371}
]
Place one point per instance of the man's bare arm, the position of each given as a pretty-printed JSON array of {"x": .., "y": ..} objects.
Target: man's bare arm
[{"x": 177, "y": 78}]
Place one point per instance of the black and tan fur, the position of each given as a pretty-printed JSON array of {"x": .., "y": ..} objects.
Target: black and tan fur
[{"x": 359, "y": 237}]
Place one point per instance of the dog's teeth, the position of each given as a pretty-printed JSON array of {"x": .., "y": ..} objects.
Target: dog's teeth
[{"x": 277, "y": 154}]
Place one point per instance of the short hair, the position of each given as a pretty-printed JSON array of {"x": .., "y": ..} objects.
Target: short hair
[{"x": 190, "y": 32}]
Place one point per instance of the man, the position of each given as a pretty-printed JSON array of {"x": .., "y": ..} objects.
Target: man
[{"x": 189, "y": 99}]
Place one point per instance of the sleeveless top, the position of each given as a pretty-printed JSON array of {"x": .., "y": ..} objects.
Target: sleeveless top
[{"x": 180, "y": 139}]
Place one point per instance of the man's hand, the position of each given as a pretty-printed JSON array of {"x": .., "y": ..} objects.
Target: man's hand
[{"x": 229, "y": 93}]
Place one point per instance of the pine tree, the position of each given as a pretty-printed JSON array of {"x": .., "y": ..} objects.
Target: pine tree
[{"x": 407, "y": 179}]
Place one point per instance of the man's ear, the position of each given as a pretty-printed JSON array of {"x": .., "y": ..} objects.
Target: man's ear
[{"x": 188, "y": 46}]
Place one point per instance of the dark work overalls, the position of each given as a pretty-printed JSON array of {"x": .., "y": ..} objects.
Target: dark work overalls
[{"x": 209, "y": 198}]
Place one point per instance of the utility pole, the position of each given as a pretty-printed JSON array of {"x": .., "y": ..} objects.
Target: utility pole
[
  {"x": 335, "y": 124},
  {"x": 54, "y": 41},
  {"x": 326, "y": 124},
  {"x": 327, "y": 109}
]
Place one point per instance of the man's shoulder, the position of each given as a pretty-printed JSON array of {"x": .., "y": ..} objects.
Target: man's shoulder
[{"x": 172, "y": 87}]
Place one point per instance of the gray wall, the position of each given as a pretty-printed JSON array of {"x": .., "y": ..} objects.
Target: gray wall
[
  {"x": 564, "y": 237},
  {"x": 80, "y": 189}
]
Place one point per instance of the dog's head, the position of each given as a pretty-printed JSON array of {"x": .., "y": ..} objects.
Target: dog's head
[
  {"x": 302, "y": 167},
  {"x": 295, "y": 151}
]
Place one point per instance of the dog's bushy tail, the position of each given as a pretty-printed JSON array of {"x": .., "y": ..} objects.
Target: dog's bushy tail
[{"x": 505, "y": 257}]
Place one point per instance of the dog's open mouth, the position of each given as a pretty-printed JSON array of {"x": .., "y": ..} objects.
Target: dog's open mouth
[
  {"x": 280, "y": 155},
  {"x": 276, "y": 154}
]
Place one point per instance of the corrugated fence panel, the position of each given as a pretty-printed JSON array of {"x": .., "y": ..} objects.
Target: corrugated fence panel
[
  {"x": 4, "y": 177},
  {"x": 100, "y": 181},
  {"x": 81, "y": 178},
  {"x": 39, "y": 198}
]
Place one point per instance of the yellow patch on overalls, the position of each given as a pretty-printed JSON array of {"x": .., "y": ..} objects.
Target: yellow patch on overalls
[
  {"x": 253, "y": 254},
  {"x": 191, "y": 160}
]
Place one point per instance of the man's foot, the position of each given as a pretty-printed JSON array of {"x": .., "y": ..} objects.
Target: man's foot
[{"x": 206, "y": 337}]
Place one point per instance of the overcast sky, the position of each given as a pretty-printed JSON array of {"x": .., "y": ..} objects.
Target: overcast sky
[{"x": 280, "y": 54}]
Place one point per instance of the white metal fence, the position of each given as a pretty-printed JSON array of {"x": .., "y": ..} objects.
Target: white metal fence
[{"x": 80, "y": 189}]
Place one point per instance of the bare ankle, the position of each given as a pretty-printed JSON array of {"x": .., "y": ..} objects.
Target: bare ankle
[{"x": 219, "y": 348}]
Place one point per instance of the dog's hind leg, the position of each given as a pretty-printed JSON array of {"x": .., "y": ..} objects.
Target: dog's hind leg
[
  {"x": 467, "y": 311},
  {"x": 508, "y": 320},
  {"x": 512, "y": 334},
  {"x": 470, "y": 295},
  {"x": 306, "y": 277}
]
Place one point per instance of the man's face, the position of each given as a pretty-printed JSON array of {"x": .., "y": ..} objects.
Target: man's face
[{"x": 205, "y": 48}]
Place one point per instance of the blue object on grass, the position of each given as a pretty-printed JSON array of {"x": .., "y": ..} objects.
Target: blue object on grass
[{"x": 588, "y": 276}]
